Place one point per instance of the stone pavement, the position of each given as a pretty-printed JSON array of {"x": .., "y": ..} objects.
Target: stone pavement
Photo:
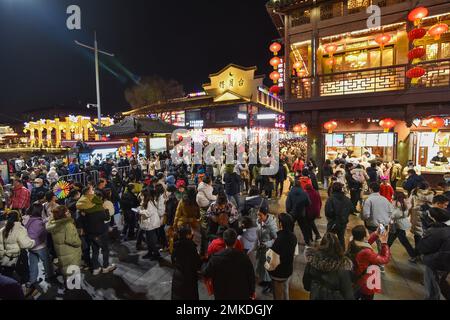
[{"x": 135, "y": 278}]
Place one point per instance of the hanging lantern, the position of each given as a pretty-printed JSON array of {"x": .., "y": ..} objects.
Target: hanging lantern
[
  {"x": 104, "y": 138},
  {"x": 435, "y": 123},
  {"x": 416, "y": 53},
  {"x": 416, "y": 34},
  {"x": 330, "y": 62},
  {"x": 437, "y": 30},
  {"x": 297, "y": 65},
  {"x": 135, "y": 139},
  {"x": 297, "y": 128},
  {"x": 330, "y": 126},
  {"x": 387, "y": 124},
  {"x": 382, "y": 40},
  {"x": 275, "y": 90},
  {"x": 275, "y": 62},
  {"x": 275, "y": 48},
  {"x": 331, "y": 49},
  {"x": 275, "y": 76},
  {"x": 415, "y": 72},
  {"x": 417, "y": 14}
]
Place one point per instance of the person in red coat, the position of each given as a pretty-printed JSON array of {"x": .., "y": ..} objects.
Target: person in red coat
[
  {"x": 313, "y": 210},
  {"x": 218, "y": 244},
  {"x": 305, "y": 180},
  {"x": 364, "y": 256},
  {"x": 386, "y": 189},
  {"x": 298, "y": 165}
]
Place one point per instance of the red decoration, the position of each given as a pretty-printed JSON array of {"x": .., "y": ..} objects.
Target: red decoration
[
  {"x": 331, "y": 49},
  {"x": 135, "y": 139},
  {"x": 297, "y": 128},
  {"x": 417, "y": 33},
  {"x": 416, "y": 53},
  {"x": 330, "y": 126},
  {"x": 275, "y": 90},
  {"x": 435, "y": 123},
  {"x": 417, "y": 14},
  {"x": 387, "y": 124},
  {"x": 104, "y": 138},
  {"x": 415, "y": 72},
  {"x": 382, "y": 39},
  {"x": 275, "y": 76},
  {"x": 438, "y": 29},
  {"x": 330, "y": 62},
  {"x": 275, "y": 48},
  {"x": 275, "y": 62}
]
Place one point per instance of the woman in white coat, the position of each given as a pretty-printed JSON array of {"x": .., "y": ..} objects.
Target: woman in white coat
[
  {"x": 150, "y": 222},
  {"x": 13, "y": 239}
]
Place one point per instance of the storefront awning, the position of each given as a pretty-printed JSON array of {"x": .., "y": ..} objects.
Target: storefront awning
[
  {"x": 94, "y": 144},
  {"x": 132, "y": 125}
]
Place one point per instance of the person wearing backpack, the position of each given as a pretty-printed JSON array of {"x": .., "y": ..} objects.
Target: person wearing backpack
[
  {"x": 337, "y": 210},
  {"x": 363, "y": 256},
  {"x": 401, "y": 224}
]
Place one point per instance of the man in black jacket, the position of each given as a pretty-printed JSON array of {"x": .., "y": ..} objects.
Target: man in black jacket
[
  {"x": 280, "y": 178},
  {"x": 284, "y": 246},
  {"x": 435, "y": 246},
  {"x": 231, "y": 271},
  {"x": 296, "y": 203}
]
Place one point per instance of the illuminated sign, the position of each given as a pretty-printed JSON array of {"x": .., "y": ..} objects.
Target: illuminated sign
[
  {"x": 195, "y": 123},
  {"x": 267, "y": 116},
  {"x": 242, "y": 116}
]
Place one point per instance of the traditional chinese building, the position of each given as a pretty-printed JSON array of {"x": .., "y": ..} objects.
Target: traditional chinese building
[
  {"x": 235, "y": 98},
  {"x": 340, "y": 69}
]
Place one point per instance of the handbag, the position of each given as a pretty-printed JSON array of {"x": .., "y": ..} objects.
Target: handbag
[{"x": 272, "y": 260}]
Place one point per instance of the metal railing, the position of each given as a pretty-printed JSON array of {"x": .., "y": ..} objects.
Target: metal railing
[
  {"x": 391, "y": 78},
  {"x": 82, "y": 177}
]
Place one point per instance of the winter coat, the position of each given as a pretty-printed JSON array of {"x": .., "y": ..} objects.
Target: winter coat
[
  {"x": 171, "y": 208},
  {"x": 412, "y": 182},
  {"x": 417, "y": 200},
  {"x": 36, "y": 191},
  {"x": 281, "y": 175},
  {"x": 218, "y": 245},
  {"x": 129, "y": 201},
  {"x": 36, "y": 231},
  {"x": 327, "y": 170},
  {"x": 187, "y": 262},
  {"x": 205, "y": 195},
  {"x": 373, "y": 174},
  {"x": 396, "y": 172},
  {"x": 254, "y": 202},
  {"x": 150, "y": 218},
  {"x": 298, "y": 166},
  {"x": 186, "y": 214},
  {"x": 314, "y": 181},
  {"x": 267, "y": 233},
  {"x": 376, "y": 210},
  {"x": 296, "y": 202},
  {"x": 313, "y": 210},
  {"x": 284, "y": 246},
  {"x": 249, "y": 238},
  {"x": 305, "y": 181},
  {"x": 400, "y": 217},
  {"x": 387, "y": 191},
  {"x": 328, "y": 278},
  {"x": 10, "y": 247},
  {"x": 66, "y": 241},
  {"x": 52, "y": 176},
  {"x": 435, "y": 246},
  {"x": 232, "y": 183},
  {"x": 363, "y": 256},
  {"x": 337, "y": 210},
  {"x": 232, "y": 275}
]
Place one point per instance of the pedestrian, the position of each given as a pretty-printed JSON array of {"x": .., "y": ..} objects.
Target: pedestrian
[
  {"x": 285, "y": 246},
  {"x": 377, "y": 210},
  {"x": 327, "y": 274},
  {"x": 421, "y": 199},
  {"x": 296, "y": 203},
  {"x": 221, "y": 213},
  {"x": 327, "y": 173},
  {"x": 396, "y": 174},
  {"x": 49, "y": 205},
  {"x": 435, "y": 246},
  {"x": 280, "y": 178},
  {"x": 232, "y": 185},
  {"x": 298, "y": 165},
  {"x": 187, "y": 263},
  {"x": 267, "y": 232},
  {"x": 252, "y": 204},
  {"x": 38, "y": 187},
  {"x": 401, "y": 224},
  {"x": 363, "y": 256},
  {"x": 313, "y": 210},
  {"x": 386, "y": 190},
  {"x": 20, "y": 199},
  {"x": 66, "y": 240},
  {"x": 231, "y": 272},
  {"x": 204, "y": 199},
  {"x": 354, "y": 186},
  {"x": 413, "y": 181},
  {"x": 128, "y": 203},
  {"x": 218, "y": 244},
  {"x": 249, "y": 237},
  {"x": 372, "y": 173},
  {"x": 305, "y": 179}
]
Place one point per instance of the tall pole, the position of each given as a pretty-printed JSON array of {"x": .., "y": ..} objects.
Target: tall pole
[{"x": 97, "y": 81}]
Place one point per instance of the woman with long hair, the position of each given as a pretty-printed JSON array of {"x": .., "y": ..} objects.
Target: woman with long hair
[
  {"x": 160, "y": 199},
  {"x": 401, "y": 224},
  {"x": 150, "y": 222},
  {"x": 328, "y": 271},
  {"x": 421, "y": 199},
  {"x": 13, "y": 239}
]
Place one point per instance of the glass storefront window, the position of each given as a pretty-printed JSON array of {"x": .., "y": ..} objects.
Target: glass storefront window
[{"x": 432, "y": 51}]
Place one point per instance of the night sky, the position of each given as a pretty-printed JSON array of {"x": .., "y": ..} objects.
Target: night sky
[{"x": 41, "y": 67}]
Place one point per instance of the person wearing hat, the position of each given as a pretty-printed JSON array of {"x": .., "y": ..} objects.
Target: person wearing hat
[
  {"x": 435, "y": 247},
  {"x": 386, "y": 189},
  {"x": 38, "y": 186},
  {"x": 180, "y": 185}
]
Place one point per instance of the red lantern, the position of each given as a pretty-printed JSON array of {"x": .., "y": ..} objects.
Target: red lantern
[
  {"x": 297, "y": 65},
  {"x": 415, "y": 72},
  {"x": 135, "y": 139},
  {"x": 387, "y": 124},
  {"x": 417, "y": 33},
  {"x": 104, "y": 138},
  {"x": 275, "y": 48},
  {"x": 297, "y": 128},
  {"x": 416, "y": 53},
  {"x": 274, "y": 90},
  {"x": 382, "y": 39},
  {"x": 275, "y": 62},
  {"x": 331, "y": 49},
  {"x": 330, "y": 126},
  {"x": 435, "y": 123},
  {"x": 417, "y": 14},
  {"x": 275, "y": 76},
  {"x": 438, "y": 29}
]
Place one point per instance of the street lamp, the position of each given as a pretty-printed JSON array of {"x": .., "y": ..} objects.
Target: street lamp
[{"x": 97, "y": 74}]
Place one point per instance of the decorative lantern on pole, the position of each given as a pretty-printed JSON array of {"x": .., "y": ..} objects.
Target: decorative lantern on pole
[
  {"x": 435, "y": 123},
  {"x": 387, "y": 124},
  {"x": 275, "y": 62},
  {"x": 417, "y": 14},
  {"x": 415, "y": 54},
  {"x": 275, "y": 76},
  {"x": 330, "y": 126},
  {"x": 382, "y": 40},
  {"x": 275, "y": 90},
  {"x": 437, "y": 30},
  {"x": 275, "y": 48}
]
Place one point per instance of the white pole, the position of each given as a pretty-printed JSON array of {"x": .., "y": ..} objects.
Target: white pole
[{"x": 97, "y": 80}]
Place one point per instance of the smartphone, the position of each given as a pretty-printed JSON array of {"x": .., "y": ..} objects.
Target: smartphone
[
  {"x": 134, "y": 210},
  {"x": 382, "y": 229}
]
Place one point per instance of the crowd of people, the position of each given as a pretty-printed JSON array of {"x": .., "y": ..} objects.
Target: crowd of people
[{"x": 215, "y": 224}]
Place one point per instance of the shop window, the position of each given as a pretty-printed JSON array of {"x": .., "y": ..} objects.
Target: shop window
[
  {"x": 361, "y": 59},
  {"x": 445, "y": 50},
  {"x": 355, "y": 6},
  {"x": 432, "y": 51}
]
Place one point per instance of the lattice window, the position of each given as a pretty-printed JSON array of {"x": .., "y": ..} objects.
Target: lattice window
[
  {"x": 331, "y": 10},
  {"x": 355, "y": 6}
]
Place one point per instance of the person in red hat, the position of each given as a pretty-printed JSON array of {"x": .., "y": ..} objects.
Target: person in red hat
[{"x": 181, "y": 186}]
